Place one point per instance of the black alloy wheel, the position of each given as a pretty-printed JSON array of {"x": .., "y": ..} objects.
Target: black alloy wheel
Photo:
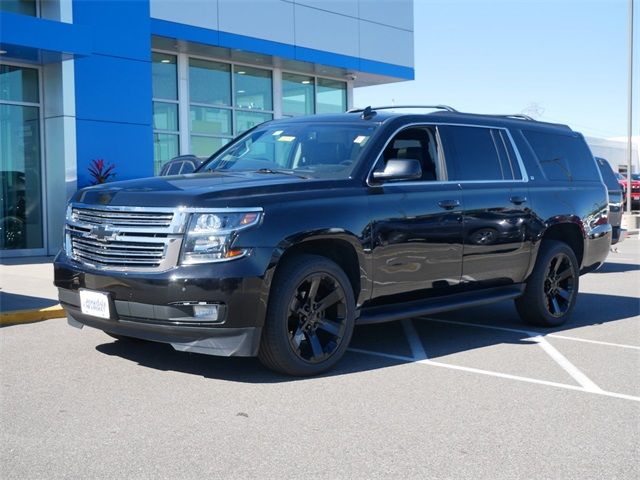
[
  {"x": 559, "y": 285},
  {"x": 310, "y": 316},
  {"x": 552, "y": 288},
  {"x": 316, "y": 322}
]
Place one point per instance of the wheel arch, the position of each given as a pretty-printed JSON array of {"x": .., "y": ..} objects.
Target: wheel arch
[
  {"x": 340, "y": 246},
  {"x": 568, "y": 230}
]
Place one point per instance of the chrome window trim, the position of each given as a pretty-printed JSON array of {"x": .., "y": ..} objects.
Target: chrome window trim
[{"x": 524, "y": 176}]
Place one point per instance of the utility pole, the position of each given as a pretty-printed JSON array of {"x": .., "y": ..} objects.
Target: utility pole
[{"x": 630, "y": 108}]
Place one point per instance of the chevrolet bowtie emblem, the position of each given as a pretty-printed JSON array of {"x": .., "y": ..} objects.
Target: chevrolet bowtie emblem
[{"x": 102, "y": 233}]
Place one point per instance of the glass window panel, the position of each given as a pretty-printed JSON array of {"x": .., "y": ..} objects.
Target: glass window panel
[
  {"x": 562, "y": 157},
  {"x": 297, "y": 94},
  {"x": 209, "y": 82},
  {"x": 18, "y": 84},
  {"x": 165, "y": 147},
  {"x": 175, "y": 168},
  {"x": 188, "y": 167},
  {"x": 20, "y": 178},
  {"x": 205, "y": 146},
  {"x": 165, "y": 116},
  {"x": 474, "y": 154},
  {"x": 164, "y": 73},
  {"x": 331, "y": 96},
  {"x": 253, "y": 88},
  {"x": 210, "y": 121},
  {"x": 23, "y": 7},
  {"x": 247, "y": 120}
]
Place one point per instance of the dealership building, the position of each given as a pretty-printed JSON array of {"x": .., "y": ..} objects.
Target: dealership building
[{"x": 137, "y": 82}]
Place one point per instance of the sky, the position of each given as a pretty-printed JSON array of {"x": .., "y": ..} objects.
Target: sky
[{"x": 561, "y": 61}]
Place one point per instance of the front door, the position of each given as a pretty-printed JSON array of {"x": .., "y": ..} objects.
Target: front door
[{"x": 416, "y": 225}]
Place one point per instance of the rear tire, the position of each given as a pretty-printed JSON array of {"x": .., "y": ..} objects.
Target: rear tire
[
  {"x": 552, "y": 288},
  {"x": 310, "y": 317}
]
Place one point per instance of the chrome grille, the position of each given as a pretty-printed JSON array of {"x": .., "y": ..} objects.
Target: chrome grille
[
  {"x": 123, "y": 218},
  {"x": 118, "y": 254},
  {"x": 121, "y": 238}
]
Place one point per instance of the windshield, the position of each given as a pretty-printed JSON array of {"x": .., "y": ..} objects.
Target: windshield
[
  {"x": 635, "y": 176},
  {"x": 312, "y": 150}
]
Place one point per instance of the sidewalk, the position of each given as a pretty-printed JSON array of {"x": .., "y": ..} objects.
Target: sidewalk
[{"x": 27, "y": 293}]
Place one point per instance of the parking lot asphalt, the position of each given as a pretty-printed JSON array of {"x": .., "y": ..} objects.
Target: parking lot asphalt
[{"x": 468, "y": 394}]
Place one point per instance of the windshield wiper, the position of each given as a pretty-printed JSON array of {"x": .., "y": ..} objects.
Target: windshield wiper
[{"x": 283, "y": 172}]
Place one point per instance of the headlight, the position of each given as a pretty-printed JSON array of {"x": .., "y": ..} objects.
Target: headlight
[
  {"x": 70, "y": 215},
  {"x": 209, "y": 236}
]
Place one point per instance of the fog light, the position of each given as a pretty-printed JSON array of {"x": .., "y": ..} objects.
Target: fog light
[{"x": 208, "y": 312}]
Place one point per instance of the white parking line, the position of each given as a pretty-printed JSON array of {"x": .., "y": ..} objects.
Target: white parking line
[
  {"x": 531, "y": 333},
  {"x": 497, "y": 374},
  {"x": 549, "y": 349},
  {"x": 419, "y": 356},
  {"x": 597, "y": 342},
  {"x": 568, "y": 367}
]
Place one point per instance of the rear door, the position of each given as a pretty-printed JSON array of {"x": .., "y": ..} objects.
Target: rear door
[{"x": 497, "y": 243}]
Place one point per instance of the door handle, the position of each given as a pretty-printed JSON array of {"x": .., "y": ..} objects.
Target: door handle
[
  {"x": 518, "y": 200},
  {"x": 449, "y": 204}
]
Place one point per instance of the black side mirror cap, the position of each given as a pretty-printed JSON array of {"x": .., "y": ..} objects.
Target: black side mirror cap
[{"x": 399, "y": 169}]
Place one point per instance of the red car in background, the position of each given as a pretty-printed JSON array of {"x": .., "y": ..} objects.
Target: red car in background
[{"x": 635, "y": 188}]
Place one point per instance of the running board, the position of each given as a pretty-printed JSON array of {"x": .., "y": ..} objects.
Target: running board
[{"x": 417, "y": 308}]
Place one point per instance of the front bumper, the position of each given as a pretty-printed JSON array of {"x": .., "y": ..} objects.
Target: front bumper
[{"x": 154, "y": 306}]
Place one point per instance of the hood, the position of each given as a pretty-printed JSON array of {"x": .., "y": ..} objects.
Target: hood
[{"x": 211, "y": 189}]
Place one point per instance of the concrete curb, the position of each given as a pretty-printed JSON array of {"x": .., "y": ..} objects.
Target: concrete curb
[{"x": 30, "y": 316}]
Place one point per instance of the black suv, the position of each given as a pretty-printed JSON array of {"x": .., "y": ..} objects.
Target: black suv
[{"x": 301, "y": 228}]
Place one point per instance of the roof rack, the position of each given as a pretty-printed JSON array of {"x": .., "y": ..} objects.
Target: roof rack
[
  {"x": 392, "y": 107},
  {"x": 520, "y": 116}
]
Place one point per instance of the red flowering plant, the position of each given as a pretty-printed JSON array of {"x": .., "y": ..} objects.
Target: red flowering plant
[{"x": 101, "y": 172}]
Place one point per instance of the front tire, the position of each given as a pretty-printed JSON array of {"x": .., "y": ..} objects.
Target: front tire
[
  {"x": 310, "y": 317},
  {"x": 552, "y": 288}
]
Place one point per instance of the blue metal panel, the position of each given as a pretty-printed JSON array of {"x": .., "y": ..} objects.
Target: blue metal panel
[
  {"x": 119, "y": 28},
  {"x": 181, "y": 31},
  {"x": 389, "y": 69},
  {"x": 327, "y": 58},
  {"x": 129, "y": 147},
  {"x": 113, "y": 88},
  {"x": 258, "y": 45},
  {"x": 37, "y": 34}
]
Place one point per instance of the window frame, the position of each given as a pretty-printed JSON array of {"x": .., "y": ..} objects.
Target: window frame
[
  {"x": 44, "y": 205},
  {"x": 38, "y": 13},
  {"x": 184, "y": 102},
  {"x": 175, "y": 102},
  {"x": 524, "y": 178},
  {"x": 315, "y": 90}
]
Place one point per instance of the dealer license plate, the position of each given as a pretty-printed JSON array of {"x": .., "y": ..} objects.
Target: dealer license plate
[{"x": 94, "y": 303}]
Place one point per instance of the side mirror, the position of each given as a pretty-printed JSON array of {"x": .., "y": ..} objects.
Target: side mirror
[{"x": 399, "y": 169}]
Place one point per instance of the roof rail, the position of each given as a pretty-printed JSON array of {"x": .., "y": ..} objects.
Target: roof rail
[
  {"x": 392, "y": 107},
  {"x": 520, "y": 116}
]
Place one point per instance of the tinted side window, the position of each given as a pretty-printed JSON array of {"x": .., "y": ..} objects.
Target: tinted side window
[
  {"x": 174, "y": 169},
  {"x": 187, "y": 167},
  {"x": 474, "y": 152},
  {"x": 562, "y": 157}
]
